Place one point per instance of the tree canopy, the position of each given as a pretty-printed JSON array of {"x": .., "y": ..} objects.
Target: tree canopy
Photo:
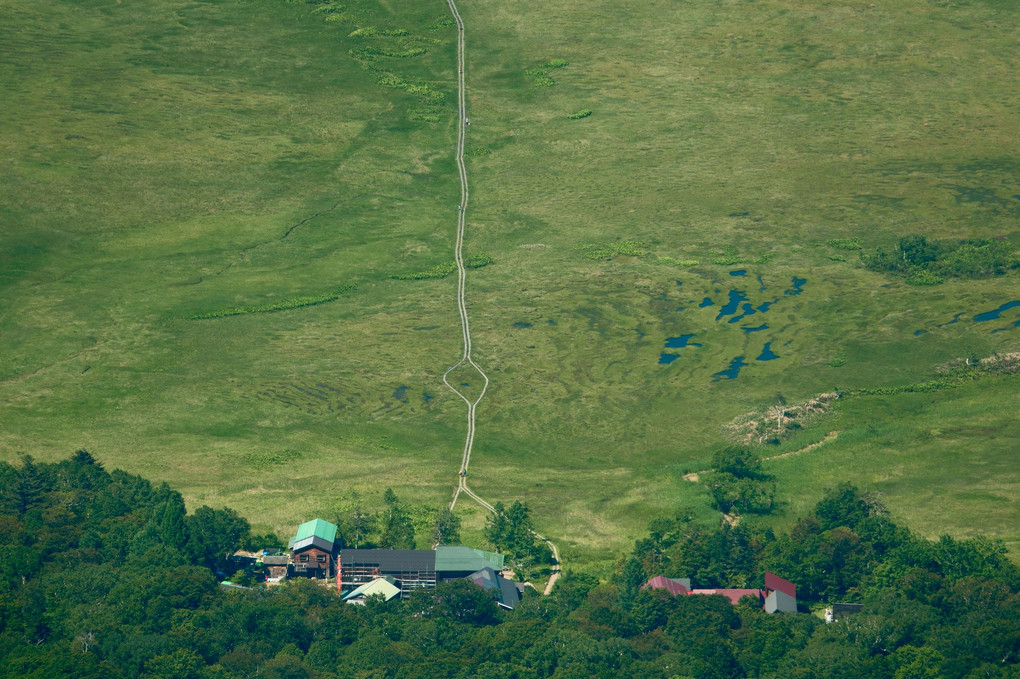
[{"x": 103, "y": 574}]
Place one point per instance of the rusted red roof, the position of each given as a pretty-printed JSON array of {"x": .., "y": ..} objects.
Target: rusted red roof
[
  {"x": 774, "y": 582},
  {"x": 662, "y": 582}
]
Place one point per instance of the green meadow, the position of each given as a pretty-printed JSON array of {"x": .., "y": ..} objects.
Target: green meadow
[{"x": 226, "y": 229}]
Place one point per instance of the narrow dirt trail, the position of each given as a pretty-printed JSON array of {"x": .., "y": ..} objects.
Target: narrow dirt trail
[{"x": 465, "y": 325}]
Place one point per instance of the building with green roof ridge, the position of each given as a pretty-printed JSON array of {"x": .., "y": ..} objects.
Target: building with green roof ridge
[
  {"x": 316, "y": 528},
  {"x": 313, "y": 549}
]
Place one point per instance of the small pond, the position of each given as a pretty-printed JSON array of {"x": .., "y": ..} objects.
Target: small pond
[
  {"x": 736, "y": 297},
  {"x": 730, "y": 373},
  {"x": 994, "y": 313},
  {"x": 666, "y": 359},
  {"x": 767, "y": 354},
  {"x": 680, "y": 342},
  {"x": 798, "y": 285},
  {"x": 763, "y": 326},
  {"x": 739, "y": 272}
]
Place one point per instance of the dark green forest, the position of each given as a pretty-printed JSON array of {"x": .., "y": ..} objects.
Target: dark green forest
[{"x": 103, "y": 574}]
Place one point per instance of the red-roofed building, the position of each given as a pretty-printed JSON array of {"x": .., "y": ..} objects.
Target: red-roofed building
[
  {"x": 734, "y": 595},
  {"x": 675, "y": 586},
  {"x": 780, "y": 594}
]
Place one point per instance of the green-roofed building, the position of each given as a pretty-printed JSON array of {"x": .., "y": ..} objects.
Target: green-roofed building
[
  {"x": 313, "y": 549},
  {"x": 457, "y": 561}
]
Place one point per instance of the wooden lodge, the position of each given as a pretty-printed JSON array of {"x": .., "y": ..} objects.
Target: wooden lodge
[{"x": 314, "y": 550}]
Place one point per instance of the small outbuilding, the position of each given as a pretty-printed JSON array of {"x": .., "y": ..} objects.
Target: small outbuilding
[
  {"x": 381, "y": 587},
  {"x": 780, "y": 594}
]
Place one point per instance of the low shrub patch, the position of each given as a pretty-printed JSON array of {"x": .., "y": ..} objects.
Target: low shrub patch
[
  {"x": 445, "y": 269},
  {"x": 730, "y": 260},
  {"x": 600, "y": 251},
  {"x": 373, "y": 32},
  {"x": 477, "y": 261},
  {"x": 539, "y": 74},
  {"x": 438, "y": 271},
  {"x": 845, "y": 243},
  {"x": 294, "y": 303},
  {"x": 678, "y": 262}
]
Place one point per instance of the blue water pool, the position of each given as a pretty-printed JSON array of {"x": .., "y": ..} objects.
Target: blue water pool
[
  {"x": 730, "y": 373},
  {"x": 705, "y": 302},
  {"x": 666, "y": 359},
  {"x": 767, "y": 354},
  {"x": 798, "y": 285},
  {"x": 736, "y": 297},
  {"x": 739, "y": 272},
  {"x": 993, "y": 314},
  {"x": 763, "y": 326},
  {"x": 680, "y": 342}
]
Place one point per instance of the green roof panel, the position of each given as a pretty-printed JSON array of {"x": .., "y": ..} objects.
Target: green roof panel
[
  {"x": 316, "y": 528},
  {"x": 460, "y": 558}
]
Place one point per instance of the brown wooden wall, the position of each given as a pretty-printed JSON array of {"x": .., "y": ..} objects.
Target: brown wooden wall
[{"x": 313, "y": 566}]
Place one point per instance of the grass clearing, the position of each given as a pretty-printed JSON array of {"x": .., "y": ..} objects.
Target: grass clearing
[{"x": 220, "y": 156}]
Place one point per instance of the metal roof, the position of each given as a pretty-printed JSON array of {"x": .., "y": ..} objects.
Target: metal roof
[
  {"x": 379, "y": 586},
  {"x": 486, "y": 578},
  {"x": 466, "y": 559},
  {"x": 674, "y": 586},
  {"x": 776, "y": 583},
  {"x": 316, "y": 528},
  {"x": 390, "y": 560}
]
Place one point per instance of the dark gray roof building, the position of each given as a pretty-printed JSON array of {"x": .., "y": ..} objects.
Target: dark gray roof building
[
  {"x": 410, "y": 568},
  {"x": 489, "y": 579}
]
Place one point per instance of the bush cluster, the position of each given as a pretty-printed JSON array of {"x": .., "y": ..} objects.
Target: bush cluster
[
  {"x": 539, "y": 75},
  {"x": 445, "y": 269},
  {"x": 738, "y": 484},
  {"x": 924, "y": 261},
  {"x": 845, "y": 243},
  {"x": 294, "y": 303},
  {"x": 373, "y": 32},
  {"x": 678, "y": 262},
  {"x": 730, "y": 260},
  {"x": 601, "y": 251}
]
